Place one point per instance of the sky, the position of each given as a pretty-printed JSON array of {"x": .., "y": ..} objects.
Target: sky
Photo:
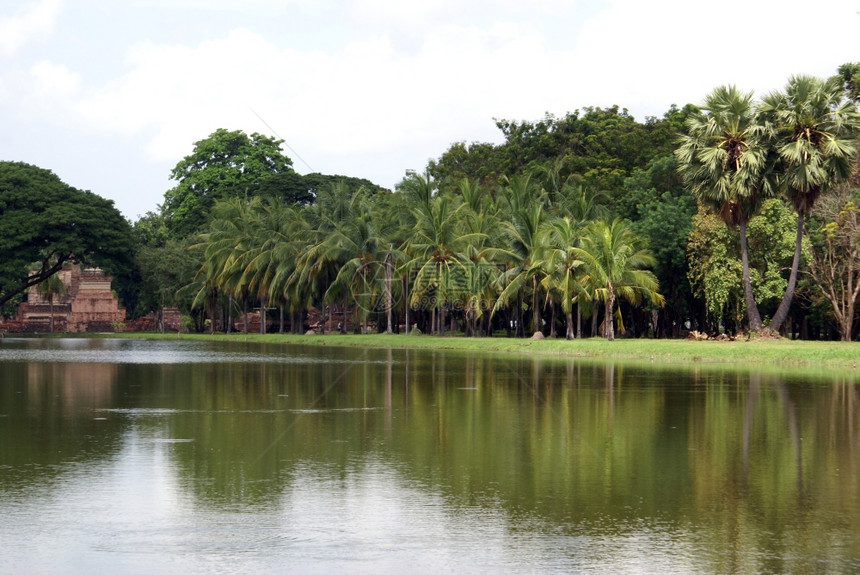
[{"x": 110, "y": 95}]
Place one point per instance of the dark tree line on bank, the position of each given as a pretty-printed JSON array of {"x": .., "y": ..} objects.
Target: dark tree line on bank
[{"x": 733, "y": 215}]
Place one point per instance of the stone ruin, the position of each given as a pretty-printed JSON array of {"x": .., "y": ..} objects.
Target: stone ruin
[{"x": 88, "y": 305}]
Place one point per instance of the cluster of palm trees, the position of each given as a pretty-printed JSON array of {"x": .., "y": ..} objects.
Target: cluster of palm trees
[
  {"x": 448, "y": 258},
  {"x": 737, "y": 153}
]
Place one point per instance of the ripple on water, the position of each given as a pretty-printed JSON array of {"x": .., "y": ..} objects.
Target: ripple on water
[{"x": 141, "y": 352}]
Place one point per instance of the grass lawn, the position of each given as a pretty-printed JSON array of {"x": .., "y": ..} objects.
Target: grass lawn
[{"x": 758, "y": 353}]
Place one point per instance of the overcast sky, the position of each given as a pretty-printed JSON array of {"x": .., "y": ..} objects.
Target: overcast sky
[{"x": 111, "y": 94}]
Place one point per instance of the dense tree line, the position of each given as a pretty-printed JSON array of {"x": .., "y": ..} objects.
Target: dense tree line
[
  {"x": 522, "y": 252},
  {"x": 444, "y": 261},
  {"x": 733, "y": 215}
]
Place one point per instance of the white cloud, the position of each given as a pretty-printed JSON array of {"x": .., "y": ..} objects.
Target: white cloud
[
  {"x": 55, "y": 80},
  {"x": 648, "y": 55},
  {"x": 219, "y": 5},
  {"x": 365, "y": 100},
  {"x": 388, "y": 85},
  {"x": 31, "y": 20}
]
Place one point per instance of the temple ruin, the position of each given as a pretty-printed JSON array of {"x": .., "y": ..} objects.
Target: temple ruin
[{"x": 87, "y": 305}]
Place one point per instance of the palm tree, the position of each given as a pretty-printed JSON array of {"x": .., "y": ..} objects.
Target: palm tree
[
  {"x": 816, "y": 129},
  {"x": 272, "y": 248},
  {"x": 227, "y": 248},
  {"x": 320, "y": 263},
  {"x": 613, "y": 263},
  {"x": 523, "y": 201},
  {"x": 562, "y": 263},
  {"x": 481, "y": 221},
  {"x": 50, "y": 287},
  {"x": 525, "y": 255},
  {"x": 438, "y": 249},
  {"x": 364, "y": 252},
  {"x": 727, "y": 162},
  {"x": 580, "y": 203},
  {"x": 287, "y": 283}
]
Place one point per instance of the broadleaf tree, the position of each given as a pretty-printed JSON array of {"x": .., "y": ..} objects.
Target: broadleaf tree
[
  {"x": 224, "y": 164},
  {"x": 45, "y": 223}
]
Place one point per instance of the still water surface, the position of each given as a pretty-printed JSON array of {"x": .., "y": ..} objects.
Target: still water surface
[{"x": 120, "y": 456}]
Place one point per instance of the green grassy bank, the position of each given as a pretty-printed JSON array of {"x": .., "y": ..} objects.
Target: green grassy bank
[{"x": 774, "y": 353}]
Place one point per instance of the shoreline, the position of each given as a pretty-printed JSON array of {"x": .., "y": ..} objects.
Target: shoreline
[{"x": 837, "y": 358}]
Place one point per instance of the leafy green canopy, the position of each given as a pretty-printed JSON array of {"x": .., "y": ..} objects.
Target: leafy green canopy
[
  {"x": 45, "y": 222},
  {"x": 226, "y": 163},
  {"x": 599, "y": 146},
  {"x": 232, "y": 164}
]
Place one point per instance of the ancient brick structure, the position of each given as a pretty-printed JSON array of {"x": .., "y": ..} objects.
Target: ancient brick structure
[
  {"x": 152, "y": 321},
  {"x": 88, "y": 305}
]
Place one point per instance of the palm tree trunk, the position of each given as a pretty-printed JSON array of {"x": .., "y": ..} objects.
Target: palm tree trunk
[
  {"x": 262, "y": 316},
  {"x": 520, "y": 327},
  {"x": 535, "y": 314},
  {"x": 752, "y": 310},
  {"x": 281, "y": 319},
  {"x": 213, "y": 306},
  {"x": 363, "y": 311},
  {"x": 389, "y": 264},
  {"x": 782, "y": 311},
  {"x": 608, "y": 326},
  {"x": 406, "y": 301},
  {"x": 569, "y": 319},
  {"x": 245, "y": 315}
]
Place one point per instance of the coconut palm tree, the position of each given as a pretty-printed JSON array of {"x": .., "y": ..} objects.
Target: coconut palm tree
[
  {"x": 581, "y": 204},
  {"x": 287, "y": 284},
  {"x": 727, "y": 162},
  {"x": 562, "y": 263},
  {"x": 816, "y": 130},
  {"x": 272, "y": 247},
  {"x": 614, "y": 263},
  {"x": 366, "y": 256},
  {"x": 481, "y": 221},
  {"x": 523, "y": 202},
  {"x": 320, "y": 263},
  {"x": 438, "y": 253},
  {"x": 524, "y": 253},
  {"x": 227, "y": 248}
]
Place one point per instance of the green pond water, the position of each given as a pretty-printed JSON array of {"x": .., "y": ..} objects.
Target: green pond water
[{"x": 126, "y": 456}]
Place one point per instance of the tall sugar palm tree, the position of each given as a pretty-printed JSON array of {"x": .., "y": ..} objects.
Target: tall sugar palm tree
[
  {"x": 727, "y": 162},
  {"x": 816, "y": 129},
  {"x": 614, "y": 263}
]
